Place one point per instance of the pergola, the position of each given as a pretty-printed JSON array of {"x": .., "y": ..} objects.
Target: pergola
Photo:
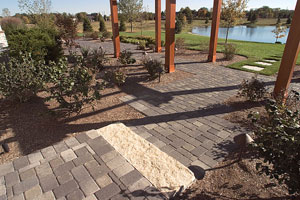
[{"x": 288, "y": 61}]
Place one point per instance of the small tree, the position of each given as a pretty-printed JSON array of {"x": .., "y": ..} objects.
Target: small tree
[
  {"x": 279, "y": 32},
  {"x": 102, "y": 27},
  {"x": 131, "y": 9},
  {"x": 178, "y": 26},
  {"x": 87, "y": 27},
  {"x": 67, "y": 28},
  {"x": 254, "y": 18},
  {"x": 232, "y": 12},
  {"x": 122, "y": 25}
]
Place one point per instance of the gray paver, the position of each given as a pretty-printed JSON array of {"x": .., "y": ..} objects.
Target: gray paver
[
  {"x": 65, "y": 189},
  {"x": 48, "y": 182},
  {"x": 104, "y": 180},
  {"x": 80, "y": 173},
  {"x": 6, "y": 168},
  {"x": 12, "y": 179},
  {"x": 88, "y": 187},
  {"x": 108, "y": 192}
]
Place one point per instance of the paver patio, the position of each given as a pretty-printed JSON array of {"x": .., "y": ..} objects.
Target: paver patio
[{"x": 183, "y": 119}]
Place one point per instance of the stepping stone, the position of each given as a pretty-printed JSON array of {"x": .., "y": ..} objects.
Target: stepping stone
[
  {"x": 253, "y": 68},
  {"x": 270, "y": 61},
  {"x": 263, "y": 63},
  {"x": 163, "y": 171}
]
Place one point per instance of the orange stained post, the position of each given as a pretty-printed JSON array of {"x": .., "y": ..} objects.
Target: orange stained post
[
  {"x": 158, "y": 25},
  {"x": 290, "y": 55},
  {"x": 212, "y": 57},
  {"x": 170, "y": 35},
  {"x": 115, "y": 26}
]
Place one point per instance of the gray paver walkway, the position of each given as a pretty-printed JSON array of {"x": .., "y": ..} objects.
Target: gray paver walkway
[
  {"x": 183, "y": 119},
  {"x": 83, "y": 167}
]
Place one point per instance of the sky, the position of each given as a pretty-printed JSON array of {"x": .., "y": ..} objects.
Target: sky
[{"x": 102, "y": 6}]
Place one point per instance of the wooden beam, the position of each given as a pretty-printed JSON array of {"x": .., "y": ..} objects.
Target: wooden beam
[
  {"x": 170, "y": 35},
  {"x": 158, "y": 25},
  {"x": 212, "y": 56},
  {"x": 290, "y": 56},
  {"x": 115, "y": 27}
]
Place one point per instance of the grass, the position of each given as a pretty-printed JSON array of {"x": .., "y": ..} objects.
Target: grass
[{"x": 254, "y": 51}]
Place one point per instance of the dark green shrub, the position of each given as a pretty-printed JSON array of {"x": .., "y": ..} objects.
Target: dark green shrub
[
  {"x": 206, "y": 21},
  {"x": 122, "y": 27},
  {"x": 277, "y": 141},
  {"x": 126, "y": 58},
  {"x": 253, "y": 90},
  {"x": 154, "y": 67},
  {"x": 102, "y": 27},
  {"x": 42, "y": 44},
  {"x": 22, "y": 78},
  {"x": 229, "y": 52},
  {"x": 87, "y": 27},
  {"x": 116, "y": 76},
  {"x": 178, "y": 26}
]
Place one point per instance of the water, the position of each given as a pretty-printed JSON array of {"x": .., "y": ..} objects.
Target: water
[{"x": 253, "y": 34}]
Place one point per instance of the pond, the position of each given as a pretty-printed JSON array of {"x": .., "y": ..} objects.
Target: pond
[{"x": 245, "y": 33}]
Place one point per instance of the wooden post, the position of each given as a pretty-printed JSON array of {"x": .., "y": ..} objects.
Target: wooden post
[
  {"x": 115, "y": 27},
  {"x": 290, "y": 56},
  {"x": 158, "y": 25},
  {"x": 212, "y": 57},
  {"x": 170, "y": 35}
]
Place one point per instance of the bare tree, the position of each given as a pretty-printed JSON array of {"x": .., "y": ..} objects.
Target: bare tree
[
  {"x": 131, "y": 9},
  {"x": 5, "y": 12},
  {"x": 279, "y": 32},
  {"x": 232, "y": 12},
  {"x": 35, "y": 6}
]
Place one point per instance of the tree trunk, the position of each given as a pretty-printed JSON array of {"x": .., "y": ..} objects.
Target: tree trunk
[
  {"x": 227, "y": 32},
  {"x": 131, "y": 23}
]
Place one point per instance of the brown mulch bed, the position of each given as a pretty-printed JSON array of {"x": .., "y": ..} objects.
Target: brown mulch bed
[{"x": 235, "y": 179}]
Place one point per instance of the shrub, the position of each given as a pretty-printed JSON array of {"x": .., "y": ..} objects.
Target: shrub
[
  {"x": 11, "y": 23},
  {"x": 125, "y": 58},
  {"x": 67, "y": 28},
  {"x": 96, "y": 59},
  {"x": 206, "y": 21},
  {"x": 154, "y": 67},
  {"x": 142, "y": 45},
  {"x": 116, "y": 76},
  {"x": 229, "y": 52},
  {"x": 180, "y": 43},
  {"x": 106, "y": 34},
  {"x": 277, "y": 141},
  {"x": 71, "y": 87},
  {"x": 94, "y": 35},
  {"x": 21, "y": 79},
  {"x": 84, "y": 52},
  {"x": 122, "y": 25},
  {"x": 178, "y": 26},
  {"x": 102, "y": 27},
  {"x": 253, "y": 90},
  {"x": 87, "y": 27},
  {"x": 42, "y": 44}
]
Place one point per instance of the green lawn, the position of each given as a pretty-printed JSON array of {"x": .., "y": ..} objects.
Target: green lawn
[{"x": 252, "y": 50}]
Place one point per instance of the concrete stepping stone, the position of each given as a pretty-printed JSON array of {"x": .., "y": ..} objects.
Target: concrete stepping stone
[
  {"x": 270, "y": 61},
  {"x": 163, "y": 171},
  {"x": 254, "y": 68},
  {"x": 263, "y": 63}
]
